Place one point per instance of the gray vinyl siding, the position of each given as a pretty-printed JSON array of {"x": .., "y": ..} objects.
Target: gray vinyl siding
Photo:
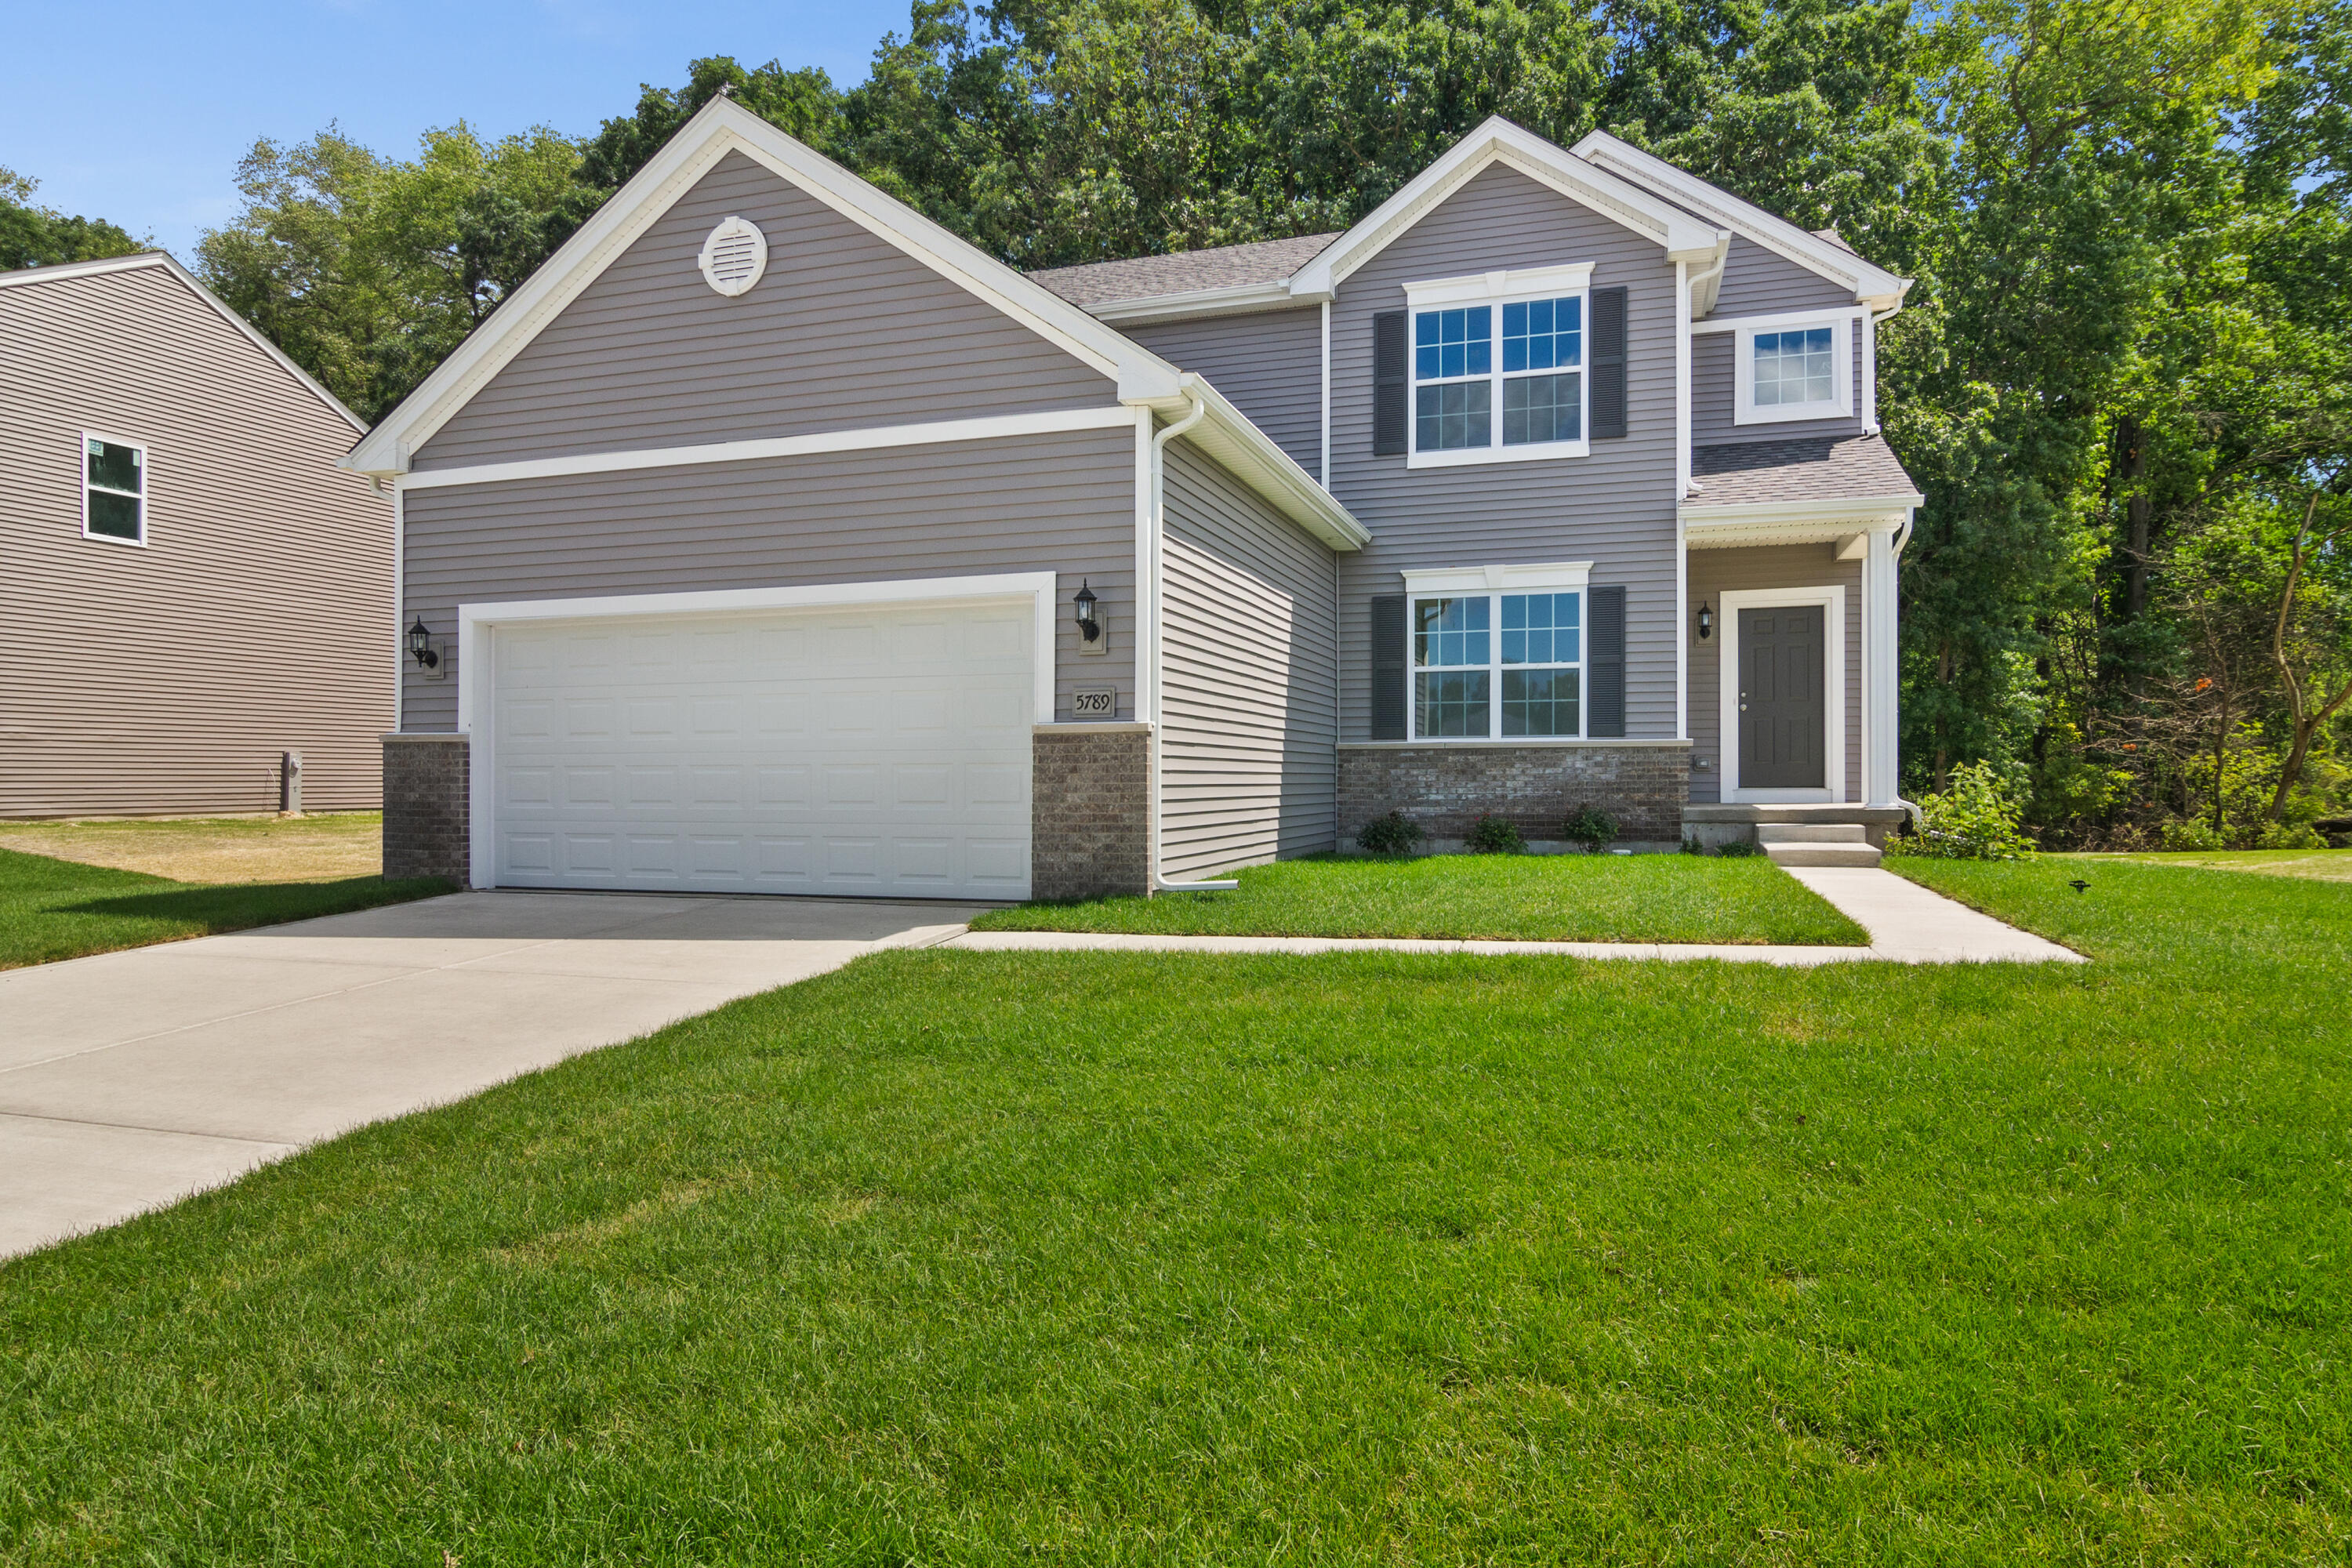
[
  {"x": 1615, "y": 508},
  {"x": 1061, "y": 502},
  {"x": 1269, "y": 364},
  {"x": 1764, "y": 566},
  {"x": 1248, "y": 772},
  {"x": 258, "y": 618},
  {"x": 1760, "y": 282},
  {"x": 1713, "y": 364},
  {"x": 842, "y": 331}
]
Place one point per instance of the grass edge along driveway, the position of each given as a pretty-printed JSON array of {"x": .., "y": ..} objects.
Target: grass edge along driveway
[
  {"x": 52, "y": 909},
  {"x": 1096, "y": 1259},
  {"x": 1507, "y": 898}
]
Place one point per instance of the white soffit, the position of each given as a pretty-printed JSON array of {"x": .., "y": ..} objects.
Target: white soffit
[
  {"x": 720, "y": 127},
  {"x": 1498, "y": 141},
  {"x": 1871, "y": 285}
]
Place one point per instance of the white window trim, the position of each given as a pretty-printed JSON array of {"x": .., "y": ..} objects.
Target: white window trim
[
  {"x": 477, "y": 655},
  {"x": 1498, "y": 290},
  {"x": 1839, "y": 407},
  {"x": 1729, "y": 603},
  {"x": 146, "y": 488},
  {"x": 1492, "y": 583}
]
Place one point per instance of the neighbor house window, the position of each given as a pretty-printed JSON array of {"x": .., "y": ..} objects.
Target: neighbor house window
[
  {"x": 1501, "y": 377},
  {"x": 114, "y": 490},
  {"x": 1498, "y": 664},
  {"x": 1794, "y": 369}
]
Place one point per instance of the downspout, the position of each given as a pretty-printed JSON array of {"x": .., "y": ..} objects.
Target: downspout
[
  {"x": 1160, "y": 884},
  {"x": 1902, "y": 538}
]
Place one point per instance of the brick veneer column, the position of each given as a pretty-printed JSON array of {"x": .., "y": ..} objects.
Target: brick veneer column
[
  {"x": 426, "y": 806},
  {"x": 1445, "y": 789},
  {"x": 1090, "y": 811}
]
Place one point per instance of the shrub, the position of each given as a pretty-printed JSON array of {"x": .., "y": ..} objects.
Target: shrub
[
  {"x": 2289, "y": 836},
  {"x": 1591, "y": 827},
  {"x": 1395, "y": 834},
  {"x": 2193, "y": 834},
  {"x": 1978, "y": 817},
  {"x": 1739, "y": 848},
  {"x": 1492, "y": 835}
]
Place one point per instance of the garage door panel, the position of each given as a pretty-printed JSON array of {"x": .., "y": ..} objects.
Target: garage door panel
[{"x": 866, "y": 751}]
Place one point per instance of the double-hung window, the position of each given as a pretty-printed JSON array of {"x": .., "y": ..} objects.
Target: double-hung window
[
  {"x": 1498, "y": 366},
  {"x": 114, "y": 490},
  {"x": 1794, "y": 367},
  {"x": 1497, "y": 653}
]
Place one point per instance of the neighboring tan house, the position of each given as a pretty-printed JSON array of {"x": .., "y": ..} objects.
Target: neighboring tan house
[
  {"x": 192, "y": 587},
  {"x": 772, "y": 538}
]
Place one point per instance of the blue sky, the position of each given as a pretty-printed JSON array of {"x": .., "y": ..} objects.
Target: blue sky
[{"x": 139, "y": 113}]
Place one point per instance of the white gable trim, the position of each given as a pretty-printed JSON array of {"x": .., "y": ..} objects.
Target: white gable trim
[
  {"x": 720, "y": 127},
  {"x": 67, "y": 271},
  {"x": 1873, "y": 286},
  {"x": 1681, "y": 235}
]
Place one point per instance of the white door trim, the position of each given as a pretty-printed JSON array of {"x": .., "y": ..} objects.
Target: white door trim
[
  {"x": 1832, "y": 597},
  {"x": 477, "y": 654}
]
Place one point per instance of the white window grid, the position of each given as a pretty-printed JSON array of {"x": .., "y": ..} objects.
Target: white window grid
[
  {"x": 1442, "y": 674},
  {"x": 84, "y": 452}
]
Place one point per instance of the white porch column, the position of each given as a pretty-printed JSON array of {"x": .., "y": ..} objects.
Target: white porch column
[{"x": 1880, "y": 720}]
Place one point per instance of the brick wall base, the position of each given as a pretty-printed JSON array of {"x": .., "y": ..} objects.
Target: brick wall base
[
  {"x": 425, "y": 806},
  {"x": 1447, "y": 789},
  {"x": 1090, "y": 812}
]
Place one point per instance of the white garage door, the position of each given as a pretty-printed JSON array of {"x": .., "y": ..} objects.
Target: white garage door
[{"x": 873, "y": 751}]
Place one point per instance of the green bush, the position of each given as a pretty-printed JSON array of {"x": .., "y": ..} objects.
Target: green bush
[
  {"x": 1739, "y": 848},
  {"x": 2289, "y": 835},
  {"x": 2194, "y": 834},
  {"x": 1591, "y": 827},
  {"x": 1978, "y": 817},
  {"x": 1395, "y": 834},
  {"x": 1492, "y": 835}
]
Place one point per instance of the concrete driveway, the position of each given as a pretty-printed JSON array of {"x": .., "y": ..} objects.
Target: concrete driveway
[{"x": 131, "y": 1080}]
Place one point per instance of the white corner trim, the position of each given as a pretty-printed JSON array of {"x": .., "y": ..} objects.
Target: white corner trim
[
  {"x": 1728, "y": 604},
  {"x": 721, "y": 127},
  {"x": 1108, "y": 417},
  {"x": 1500, "y": 284},
  {"x": 1324, "y": 476},
  {"x": 1499, "y": 579},
  {"x": 1838, "y": 406}
]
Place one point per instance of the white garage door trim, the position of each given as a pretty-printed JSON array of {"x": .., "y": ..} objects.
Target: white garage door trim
[{"x": 475, "y": 674}]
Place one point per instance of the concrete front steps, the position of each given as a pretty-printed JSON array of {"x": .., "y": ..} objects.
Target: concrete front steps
[{"x": 1796, "y": 834}]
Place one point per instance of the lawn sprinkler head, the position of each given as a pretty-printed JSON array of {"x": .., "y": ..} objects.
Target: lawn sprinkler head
[{"x": 2079, "y": 885}]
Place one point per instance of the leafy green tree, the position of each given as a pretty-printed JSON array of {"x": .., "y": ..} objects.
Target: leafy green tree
[{"x": 39, "y": 237}]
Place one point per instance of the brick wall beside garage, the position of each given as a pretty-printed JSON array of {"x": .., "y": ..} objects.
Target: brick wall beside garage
[
  {"x": 1090, "y": 811},
  {"x": 425, "y": 806},
  {"x": 1447, "y": 789}
]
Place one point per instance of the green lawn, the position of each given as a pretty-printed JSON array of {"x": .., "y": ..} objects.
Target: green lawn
[
  {"x": 61, "y": 908},
  {"x": 1526, "y": 898},
  {"x": 1084, "y": 1258},
  {"x": 2324, "y": 865}
]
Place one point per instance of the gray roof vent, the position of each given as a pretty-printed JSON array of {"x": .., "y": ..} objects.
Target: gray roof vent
[{"x": 734, "y": 256}]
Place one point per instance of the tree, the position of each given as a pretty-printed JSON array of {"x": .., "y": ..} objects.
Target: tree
[{"x": 40, "y": 236}]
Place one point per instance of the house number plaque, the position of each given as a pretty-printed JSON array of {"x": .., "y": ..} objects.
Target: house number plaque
[{"x": 1095, "y": 702}]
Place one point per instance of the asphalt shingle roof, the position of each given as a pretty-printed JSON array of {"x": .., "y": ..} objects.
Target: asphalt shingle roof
[
  {"x": 1823, "y": 467},
  {"x": 1222, "y": 266}
]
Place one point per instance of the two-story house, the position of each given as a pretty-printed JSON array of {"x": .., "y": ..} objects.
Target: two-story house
[{"x": 773, "y": 538}]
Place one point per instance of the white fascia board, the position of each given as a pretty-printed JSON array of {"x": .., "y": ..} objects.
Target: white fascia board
[
  {"x": 1500, "y": 140},
  {"x": 1565, "y": 574},
  {"x": 1107, "y": 416},
  {"x": 719, "y": 127},
  {"x": 1250, "y": 454},
  {"x": 1239, "y": 298},
  {"x": 1872, "y": 285},
  {"x": 1792, "y": 522},
  {"x": 1781, "y": 320},
  {"x": 72, "y": 269}
]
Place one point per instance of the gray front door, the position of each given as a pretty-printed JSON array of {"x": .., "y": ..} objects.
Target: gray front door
[{"x": 1782, "y": 717}]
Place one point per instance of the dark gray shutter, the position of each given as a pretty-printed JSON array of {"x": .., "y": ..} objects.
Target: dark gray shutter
[
  {"x": 1389, "y": 365},
  {"x": 1388, "y": 666},
  {"x": 1604, "y": 662},
  {"x": 1608, "y": 367}
]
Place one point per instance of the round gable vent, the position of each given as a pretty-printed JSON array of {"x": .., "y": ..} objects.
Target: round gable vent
[{"x": 734, "y": 256}]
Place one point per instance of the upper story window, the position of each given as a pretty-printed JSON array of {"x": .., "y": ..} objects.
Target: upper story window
[
  {"x": 1497, "y": 653},
  {"x": 1794, "y": 367},
  {"x": 114, "y": 490},
  {"x": 1498, "y": 366}
]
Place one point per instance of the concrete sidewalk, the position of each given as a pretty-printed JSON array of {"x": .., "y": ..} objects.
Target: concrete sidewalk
[
  {"x": 1907, "y": 924},
  {"x": 130, "y": 1079}
]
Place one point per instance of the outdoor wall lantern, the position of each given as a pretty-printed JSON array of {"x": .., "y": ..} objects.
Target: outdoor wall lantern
[
  {"x": 1705, "y": 622},
  {"x": 1088, "y": 627},
  {"x": 420, "y": 646}
]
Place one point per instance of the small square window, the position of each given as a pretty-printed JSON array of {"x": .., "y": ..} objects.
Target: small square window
[
  {"x": 1795, "y": 367},
  {"x": 114, "y": 490}
]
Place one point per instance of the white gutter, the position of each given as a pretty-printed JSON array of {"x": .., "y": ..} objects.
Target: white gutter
[{"x": 1200, "y": 407}]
